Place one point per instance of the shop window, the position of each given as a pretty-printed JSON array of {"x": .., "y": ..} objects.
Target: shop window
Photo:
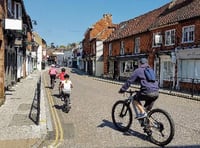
[
  {"x": 128, "y": 66},
  {"x": 190, "y": 69}
]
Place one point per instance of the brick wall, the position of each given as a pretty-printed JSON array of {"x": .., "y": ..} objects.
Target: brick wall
[{"x": 99, "y": 30}]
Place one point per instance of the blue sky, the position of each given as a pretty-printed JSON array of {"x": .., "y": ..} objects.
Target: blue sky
[{"x": 65, "y": 21}]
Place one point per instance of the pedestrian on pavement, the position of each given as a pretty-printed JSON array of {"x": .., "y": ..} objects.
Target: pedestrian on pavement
[
  {"x": 149, "y": 91},
  {"x": 52, "y": 73}
]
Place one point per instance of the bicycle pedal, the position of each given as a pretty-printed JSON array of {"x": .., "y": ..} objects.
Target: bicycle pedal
[{"x": 148, "y": 131}]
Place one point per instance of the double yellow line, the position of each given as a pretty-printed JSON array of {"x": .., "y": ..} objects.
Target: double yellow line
[{"x": 57, "y": 124}]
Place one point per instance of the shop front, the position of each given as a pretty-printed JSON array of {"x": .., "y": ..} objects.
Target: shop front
[{"x": 188, "y": 74}]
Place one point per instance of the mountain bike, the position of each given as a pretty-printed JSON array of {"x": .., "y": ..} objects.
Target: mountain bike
[
  {"x": 158, "y": 125},
  {"x": 66, "y": 105}
]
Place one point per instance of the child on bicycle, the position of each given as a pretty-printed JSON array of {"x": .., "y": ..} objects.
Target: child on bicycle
[
  {"x": 52, "y": 72},
  {"x": 149, "y": 91},
  {"x": 61, "y": 77},
  {"x": 66, "y": 86}
]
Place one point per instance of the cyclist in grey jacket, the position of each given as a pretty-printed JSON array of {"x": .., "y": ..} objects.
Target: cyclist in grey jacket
[{"x": 149, "y": 91}]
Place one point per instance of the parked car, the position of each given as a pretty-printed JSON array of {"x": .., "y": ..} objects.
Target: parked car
[{"x": 57, "y": 66}]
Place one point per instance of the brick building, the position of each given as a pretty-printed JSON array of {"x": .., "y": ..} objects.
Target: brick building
[
  {"x": 130, "y": 41},
  {"x": 168, "y": 36},
  {"x": 16, "y": 43},
  {"x": 93, "y": 45}
]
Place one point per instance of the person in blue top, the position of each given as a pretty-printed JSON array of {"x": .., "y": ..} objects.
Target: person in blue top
[{"x": 149, "y": 91}]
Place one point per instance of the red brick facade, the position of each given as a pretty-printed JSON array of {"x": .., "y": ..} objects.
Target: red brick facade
[
  {"x": 98, "y": 32},
  {"x": 170, "y": 18}
]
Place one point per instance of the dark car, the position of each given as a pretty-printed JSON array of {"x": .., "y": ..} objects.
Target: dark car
[{"x": 57, "y": 66}]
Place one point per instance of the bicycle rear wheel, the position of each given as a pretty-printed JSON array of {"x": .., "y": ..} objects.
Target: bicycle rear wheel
[
  {"x": 53, "y": 83},
  {"x": 122, "y": 115},
  {"x": 161, "y": 126},
  {"x": 66, "y": 107}
]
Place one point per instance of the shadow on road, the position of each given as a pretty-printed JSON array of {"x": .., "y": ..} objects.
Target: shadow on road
[
  {"x": 130, "y": 132},
  {"x": 58, "y": 106},
  {"x": 57, "y": 96},
  {"x": 48, "y": 87}
]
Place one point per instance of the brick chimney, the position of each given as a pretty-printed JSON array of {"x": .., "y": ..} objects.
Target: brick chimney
[{"x": 108, "y": 17}]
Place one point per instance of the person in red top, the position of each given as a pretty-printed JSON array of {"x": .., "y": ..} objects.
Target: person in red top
[
  {"x": 61, "y": 77},
  {"x": 52, "y": 72}
]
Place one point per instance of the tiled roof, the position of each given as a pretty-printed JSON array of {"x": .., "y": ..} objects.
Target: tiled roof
[
  {"x": 178, "y": 11},
  {"x": 136, "y": 25},
  {"x": 100, "y": 29},
  {"x": 170, "y": 13}
]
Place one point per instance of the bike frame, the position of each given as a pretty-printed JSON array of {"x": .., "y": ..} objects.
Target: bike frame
[
  {"x": 131, "y": 98},
  {"x": 151, "y": 124}
]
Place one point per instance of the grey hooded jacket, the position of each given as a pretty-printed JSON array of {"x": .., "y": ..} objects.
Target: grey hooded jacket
[{"x": 138, "y": 74}]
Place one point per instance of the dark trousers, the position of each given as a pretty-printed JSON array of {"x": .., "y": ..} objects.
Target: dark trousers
[
  {"x": 149, "y": 98},
  {"x": 52, "y": 78}
]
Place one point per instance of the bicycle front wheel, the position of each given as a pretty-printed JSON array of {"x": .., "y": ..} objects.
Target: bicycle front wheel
[
  {"x": 122, "y": 115},
  {"x": 162, "y": 127}
]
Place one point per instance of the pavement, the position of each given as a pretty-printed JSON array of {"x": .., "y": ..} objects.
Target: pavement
[{"x": 23, "y": 115}]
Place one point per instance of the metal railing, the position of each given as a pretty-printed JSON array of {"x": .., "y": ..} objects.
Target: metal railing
[
  {"x": 34, "y": 114},
  {"x": 182, "y": 84}
]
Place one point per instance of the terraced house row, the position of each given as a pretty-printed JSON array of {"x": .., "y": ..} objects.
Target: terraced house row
[
  {"x": 168, "y": 36},
  {"x": 20, "y": 47}
]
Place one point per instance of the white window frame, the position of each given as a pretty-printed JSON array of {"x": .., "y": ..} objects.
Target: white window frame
[
  {"x": 137, "y": 45},
  {"x": 17, "y": 10},
  {"x": 154, "y": 44},
  {"x": 122, "y": 48},
  {"x": 188, "y": 34},
  {"x": 110, "y": 49},
  {"x": 170, "y": 37},
  {"x": 10, "y": 6}
]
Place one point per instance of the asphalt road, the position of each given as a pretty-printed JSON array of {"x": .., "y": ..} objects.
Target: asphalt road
[{"x": 89, "y": 123}]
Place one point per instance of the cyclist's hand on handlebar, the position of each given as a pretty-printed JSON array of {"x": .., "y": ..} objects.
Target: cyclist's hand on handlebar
[{"x": 121, "y": 91}]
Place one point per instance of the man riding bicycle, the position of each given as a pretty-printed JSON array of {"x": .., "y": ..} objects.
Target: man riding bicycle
[{"x": 149, "y": 91}]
